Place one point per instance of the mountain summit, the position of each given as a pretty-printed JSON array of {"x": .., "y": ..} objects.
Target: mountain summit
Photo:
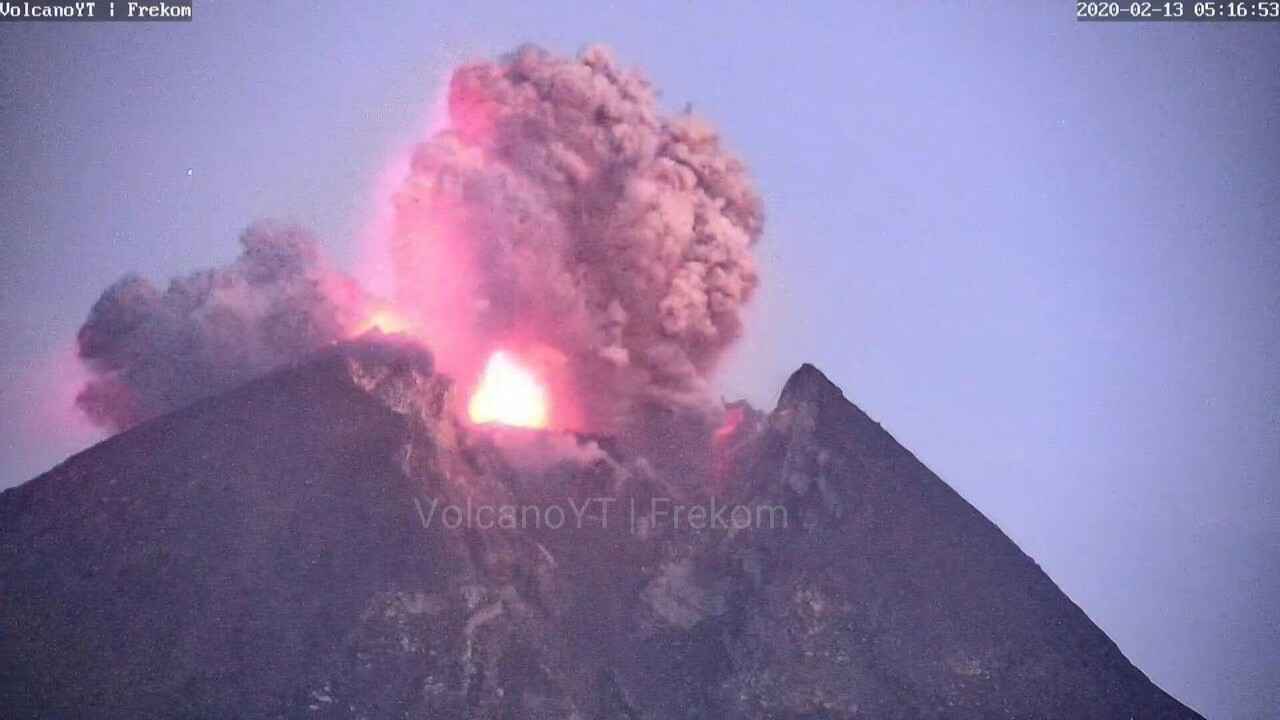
[{"x": 331, "y": 541}]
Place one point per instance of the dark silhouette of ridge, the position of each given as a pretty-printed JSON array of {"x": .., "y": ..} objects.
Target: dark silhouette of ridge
[{"x": 265, "y": 553}]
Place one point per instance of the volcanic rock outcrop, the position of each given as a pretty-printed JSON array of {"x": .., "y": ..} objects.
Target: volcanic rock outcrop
[{"x": 316, "y": 544}]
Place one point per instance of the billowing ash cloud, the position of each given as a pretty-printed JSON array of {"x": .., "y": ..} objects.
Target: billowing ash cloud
[
  {"x": 562, "y": 211},
  {"x": 560, "y": 216},
  {"x": 150, "y": 352}
]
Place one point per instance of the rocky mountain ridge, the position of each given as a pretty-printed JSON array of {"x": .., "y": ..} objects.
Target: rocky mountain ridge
[{"x": 316, "y": 544}]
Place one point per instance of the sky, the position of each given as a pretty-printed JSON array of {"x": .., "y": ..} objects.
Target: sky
[{"x": 1045, "y": 255}]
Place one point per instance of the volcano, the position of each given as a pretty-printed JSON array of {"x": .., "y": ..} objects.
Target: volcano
[{"x": 332, "y": 540}]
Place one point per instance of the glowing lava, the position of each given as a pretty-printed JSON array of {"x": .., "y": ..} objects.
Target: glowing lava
[
  {"x": 508, "y": 394},
  {"x": 384, "y": 321}
]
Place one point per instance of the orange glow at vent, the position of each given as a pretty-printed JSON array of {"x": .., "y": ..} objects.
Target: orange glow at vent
[
  {"x": 384, "y": 321},
  {"x": 508, "y": 394}
]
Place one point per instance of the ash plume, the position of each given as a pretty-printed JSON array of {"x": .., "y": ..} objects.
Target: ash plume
[
  {"x": 562, "y": 209},
  {"x": 560, "y": 215},
  {"x": 150, "y": 352}
]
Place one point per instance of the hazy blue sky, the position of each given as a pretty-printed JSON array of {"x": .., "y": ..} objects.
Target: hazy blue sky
[{"x": 1045, "y": 255}]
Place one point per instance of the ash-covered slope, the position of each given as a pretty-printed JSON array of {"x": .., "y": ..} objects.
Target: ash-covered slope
[
  {"x": 261, "y": 554},
  {"x": 896, "y": 598}
]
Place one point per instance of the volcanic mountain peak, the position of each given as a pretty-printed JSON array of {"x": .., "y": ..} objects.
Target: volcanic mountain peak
[
  {"x": 331, "y": 541},
  {"x": 808, "y": 384}
]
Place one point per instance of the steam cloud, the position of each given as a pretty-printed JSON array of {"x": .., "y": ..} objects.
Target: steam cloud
[
  {"x": 152, "y": 352},
  {"x": 560, "y": 215},
  {"x": 571, "y": 213}
]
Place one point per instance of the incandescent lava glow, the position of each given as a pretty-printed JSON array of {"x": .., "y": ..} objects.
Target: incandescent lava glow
[
  {"x": 384, "y": 321},
  {"x": 508, "y": 394}
]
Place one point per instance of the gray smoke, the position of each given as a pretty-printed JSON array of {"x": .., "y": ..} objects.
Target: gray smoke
[
  {"x": 561, "y": 215},
  {"x": 573, "y": 214},
  {"x": 150, "y": 352}
]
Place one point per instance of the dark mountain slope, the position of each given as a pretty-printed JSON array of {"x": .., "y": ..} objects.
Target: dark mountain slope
[
  {"x": 929, "y": 608},
  {"x": 261, "y": 554}
]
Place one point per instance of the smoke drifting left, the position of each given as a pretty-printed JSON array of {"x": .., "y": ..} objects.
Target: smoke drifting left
[
  {"x": 151, "y": 352},
  {"x": 560, "y": 219}
]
